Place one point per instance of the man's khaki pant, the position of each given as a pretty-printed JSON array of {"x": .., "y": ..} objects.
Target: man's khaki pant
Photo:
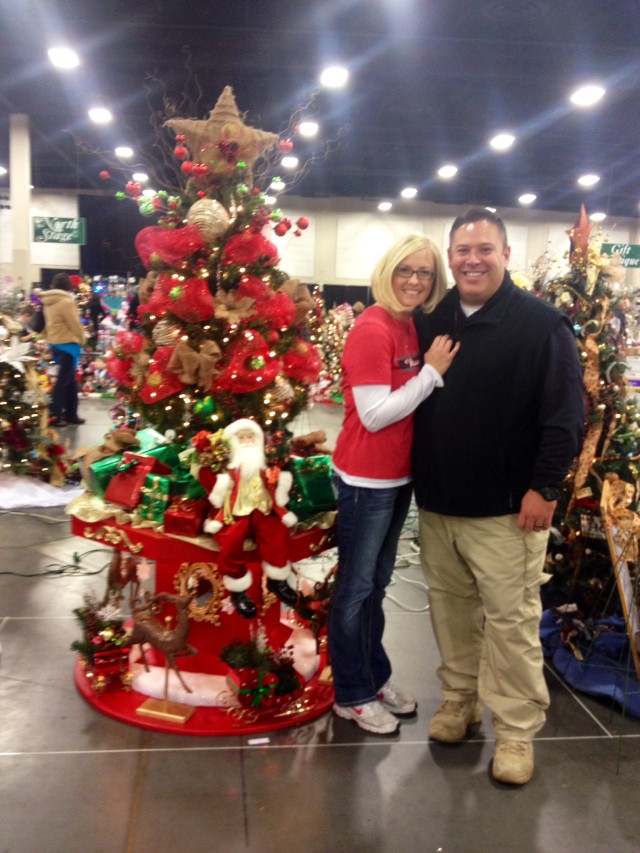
[{"x": 484, "y": 577}]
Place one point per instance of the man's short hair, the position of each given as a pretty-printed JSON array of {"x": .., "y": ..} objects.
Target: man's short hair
[{"x": 479, "y": 214}]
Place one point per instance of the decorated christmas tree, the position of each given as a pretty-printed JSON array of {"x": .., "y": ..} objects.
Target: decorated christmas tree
[
  {"x": 217, "y": 338},
  {"x": 592, "y": 295}
]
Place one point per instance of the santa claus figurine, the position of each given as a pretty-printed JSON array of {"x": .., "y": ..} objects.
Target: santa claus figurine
[{"x": 250, "y": 499}]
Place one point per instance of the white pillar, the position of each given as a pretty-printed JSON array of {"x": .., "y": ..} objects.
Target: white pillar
[{"x": 20, "y": 195}]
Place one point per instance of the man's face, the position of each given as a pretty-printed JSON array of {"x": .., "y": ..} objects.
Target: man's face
[{"x": 478, "y": 260}]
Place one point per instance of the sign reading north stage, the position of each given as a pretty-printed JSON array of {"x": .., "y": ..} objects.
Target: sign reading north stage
[
  {"x": 629, "y": 253},
  {"x": 56, "y": 229}
]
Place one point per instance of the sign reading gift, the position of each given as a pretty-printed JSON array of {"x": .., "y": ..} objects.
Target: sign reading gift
[{"x": 58, "y": 229}]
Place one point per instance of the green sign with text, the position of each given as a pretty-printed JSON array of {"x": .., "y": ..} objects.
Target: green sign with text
[
  {"x": 629, "y": 253},
  {"x": 56, "y": 229}
]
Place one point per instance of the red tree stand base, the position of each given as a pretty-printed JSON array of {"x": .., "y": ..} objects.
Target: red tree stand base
[
  {"x": 211, "y": 708},
  {"x": 123, "y": 706}
]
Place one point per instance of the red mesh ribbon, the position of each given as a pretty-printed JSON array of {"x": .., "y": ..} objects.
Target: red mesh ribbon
[
  {"x": 157, "y": 244},
  {"x": 251, "y": 366},
  {"x": 302, "y": 362}
]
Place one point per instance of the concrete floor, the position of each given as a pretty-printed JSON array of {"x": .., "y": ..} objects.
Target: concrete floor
[{"x": 75, "y": 781}]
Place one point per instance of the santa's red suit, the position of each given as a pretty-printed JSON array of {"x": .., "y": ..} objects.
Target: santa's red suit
[{"x": 252, "y": 508}]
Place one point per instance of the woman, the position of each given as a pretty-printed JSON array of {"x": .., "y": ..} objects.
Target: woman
[
  {"x": 65, "y": 335},
  {"x": 383, "y": 383}
]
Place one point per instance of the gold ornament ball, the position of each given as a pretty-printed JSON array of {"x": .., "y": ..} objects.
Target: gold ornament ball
[{"x": 210, "y": 218}]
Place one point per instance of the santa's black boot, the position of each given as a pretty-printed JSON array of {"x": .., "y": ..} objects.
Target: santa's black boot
[
  {"x": 244, "y": 605},
  {"x": 284, "y": 592}
]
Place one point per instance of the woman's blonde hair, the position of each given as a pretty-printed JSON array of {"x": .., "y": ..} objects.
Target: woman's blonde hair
[{"x": 382, "y": 275}]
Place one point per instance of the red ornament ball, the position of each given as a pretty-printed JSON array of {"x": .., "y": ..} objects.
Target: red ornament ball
[
  {"x": 285, "y": 146},
  {"x": 281, "y": 229},
  {"x": 302, "y": 223},
  {"x": 187, "y": 167},
  {"x": 180, "y": 137},
  {"x": 180, "y": 152},
  {"x": 297, "y": 233},
  {"x": 133, "y": 189},
  {"x": 104, "y": 175}
]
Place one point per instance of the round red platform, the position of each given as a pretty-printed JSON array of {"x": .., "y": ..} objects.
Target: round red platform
[{"x": 122, "y": 705}]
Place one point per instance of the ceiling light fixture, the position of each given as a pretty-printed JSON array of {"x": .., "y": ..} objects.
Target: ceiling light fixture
[
  {"x": 447, "y": 171},
  {"x": 3, "y": 171},
  {"x": 63, "y": 57},
  {"x": 334, "y": 77},
  {"x": 587, "y": 96},
  {"x": 277, "y": 184},
  {"x": 100, "y": 115},
  {"x": 527, "y": 198},
  {"x": 140, "y": 177},
  {"x": 502, "y": 141},
  {"x": 598, "y": 217},
  {"x": 289, "y": 162},
  {"x": 308, "y": 128},
  {"x": 409, "y": 192},
  {"x": 123, "y": 151},
  {"x": 588, "y": 180},
  {"x": 385, "y": 206}
]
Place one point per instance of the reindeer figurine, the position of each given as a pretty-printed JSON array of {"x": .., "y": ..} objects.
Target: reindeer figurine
[
  {"x": 170, "y": 641},
  {"x": 122, "y": 571}
]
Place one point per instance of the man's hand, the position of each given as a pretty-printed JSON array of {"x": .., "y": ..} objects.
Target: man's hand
[{"x": 536, "y": 513}]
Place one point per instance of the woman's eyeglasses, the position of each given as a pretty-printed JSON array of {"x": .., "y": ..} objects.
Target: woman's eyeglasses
[{"x": 407, "y": 272}]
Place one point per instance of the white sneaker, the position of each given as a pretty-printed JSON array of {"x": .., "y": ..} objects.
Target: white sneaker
[
  {"x": 372, "y": 717},
  {"x": 396, "y": 700}
]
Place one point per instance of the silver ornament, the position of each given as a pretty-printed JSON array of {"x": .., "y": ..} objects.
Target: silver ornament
[{"x": 210, "y": 218}]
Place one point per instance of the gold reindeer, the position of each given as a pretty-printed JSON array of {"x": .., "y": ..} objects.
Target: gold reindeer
[{"x": 170, "y": 641}]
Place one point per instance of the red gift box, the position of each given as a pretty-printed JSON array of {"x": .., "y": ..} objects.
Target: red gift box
[
  {"x": 125, "y": 487},
  {"x": 185, "y": 516}
]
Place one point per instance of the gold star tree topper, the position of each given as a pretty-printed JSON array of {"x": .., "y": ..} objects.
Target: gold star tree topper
[{"x": 222, "y": 141}]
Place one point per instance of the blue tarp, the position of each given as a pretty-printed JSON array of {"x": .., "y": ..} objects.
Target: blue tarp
[{"x": 607, "y": 670}]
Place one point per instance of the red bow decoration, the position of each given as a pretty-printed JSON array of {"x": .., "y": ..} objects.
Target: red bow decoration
[
  {"x": 252, "y": 366},
  {"x": 191, "y": 300},
  {"x": 277, "y": 310},
  {"x": 302, "y": 362},
  {"x": 157, "y": 245},
  {"x": 249, "y": 248}
]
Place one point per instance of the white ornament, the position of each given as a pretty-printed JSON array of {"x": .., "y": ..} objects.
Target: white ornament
[{"x": 210, "y": 218}]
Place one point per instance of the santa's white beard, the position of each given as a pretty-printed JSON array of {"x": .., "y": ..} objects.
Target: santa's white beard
[{"x": 248, "y": 460}]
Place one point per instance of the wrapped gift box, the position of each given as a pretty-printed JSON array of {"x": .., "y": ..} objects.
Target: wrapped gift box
[
  {"x": 185, "y": 516},
  {"x": 125, "y": 488},
  {"x": 312, "y": 491},
  {"x": 183, "y": 484},
  {"x": 155, "y": 497},
  {"x": 100, "y": 473}
]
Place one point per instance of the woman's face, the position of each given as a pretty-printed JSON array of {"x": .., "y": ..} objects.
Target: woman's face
[{"x": 412, "y": 279}]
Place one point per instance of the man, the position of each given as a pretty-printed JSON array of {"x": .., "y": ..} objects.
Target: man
[
  {"x": 490, "y": 451},
  {"x": 250, "y": 502}
]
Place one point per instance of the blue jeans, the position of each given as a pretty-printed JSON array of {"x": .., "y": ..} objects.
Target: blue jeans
[{"x": 370, "y": 522}]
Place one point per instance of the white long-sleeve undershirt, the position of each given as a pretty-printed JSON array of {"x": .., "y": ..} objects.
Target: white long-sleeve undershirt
[{"x": 378, "y": 406}]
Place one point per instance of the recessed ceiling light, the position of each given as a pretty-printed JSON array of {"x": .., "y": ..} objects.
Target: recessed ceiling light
[
  {"x": 527, "y": 198},
  {"x": 502, "y": 141},
  {"x": 63, "y": 57},
  {"x": 334, "y": 77},
  {"x": 308, "y": 128},
  {"x": 277, "y": 184},
  {"x": 100, "y": 115},
  {"x": 149, "y": 193},
  {"x": 123, "y": 151},
  {"x": 409, "y": 192},
  {"x": 3, "y": 171},
  {"x": 588, "y": 180},
  {"x": 270, "y": 199},
  {"x": 586, "y": 96},
  {"x": 447, "y": 171},
  {"x": 289, "y": 162},
  {"x": 598, "y": 217},
  {"x": 140, "y": 177},
  {"x": 384, "y": 206}
]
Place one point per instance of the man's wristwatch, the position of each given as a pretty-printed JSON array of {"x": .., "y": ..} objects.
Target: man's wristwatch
[{"x": 549, "y": 493}]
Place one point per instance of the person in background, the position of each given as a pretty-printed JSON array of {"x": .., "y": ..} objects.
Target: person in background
[
  {"x": 25, "y": 318},
  {"x": 490, "y": 451},
  {"x": 384, "y": 380},
  {"x": 96, "y": 312},
  {"x": 65, "y": 335}
]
